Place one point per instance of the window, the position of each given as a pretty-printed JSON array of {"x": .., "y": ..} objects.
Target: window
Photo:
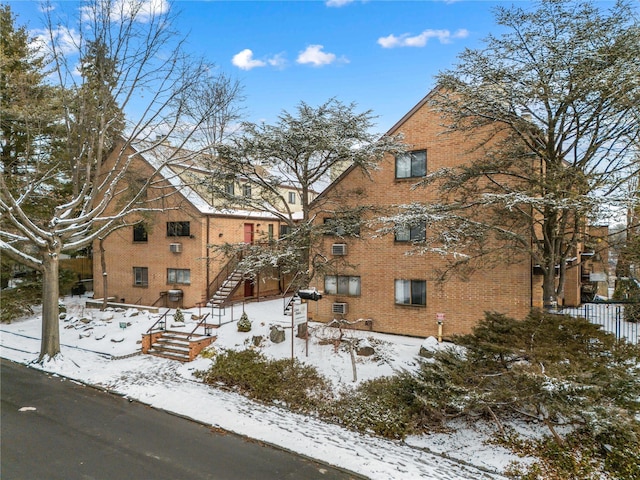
[
  {"x": 411, "y": 164},
  {"x": 230, "y": 189},
  {"x": 411, "y": 292},
  {"x": 179, "y": 275},
  {"x": 178, "y": 229},
  {"x": 140, "y": 276},
  {"x": 246, "y": 190},
  {"x": 413, "y": 233},
  {"x": 285, "y": 230},
  {"x": 342, "y": 285},
  {"x": 292, "y": 198},
  {"x": 139, "y": 233},
  {"x": 341, "y": 228},
  {"x": 270, "y": 231}
]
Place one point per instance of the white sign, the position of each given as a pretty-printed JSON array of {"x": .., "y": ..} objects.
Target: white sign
[{"x": 299, "y": 313}]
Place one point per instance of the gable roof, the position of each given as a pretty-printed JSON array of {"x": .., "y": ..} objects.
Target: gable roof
[
  {"x": 391, "y": 131},
  {"x": 173, "y": 163}
]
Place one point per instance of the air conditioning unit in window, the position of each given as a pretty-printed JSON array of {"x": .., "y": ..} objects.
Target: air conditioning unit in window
[
  {"x": 175, "y": 247},
  {"x": 339, "y": 249},
  {"x": 339, "y": 308}
]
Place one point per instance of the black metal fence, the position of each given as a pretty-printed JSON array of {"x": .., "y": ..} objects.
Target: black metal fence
[{"x": 612, "y": 317}]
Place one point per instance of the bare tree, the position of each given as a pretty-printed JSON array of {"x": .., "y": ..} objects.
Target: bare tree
[
  {"x": 218, "y": 100},
  {"x": 128, "y": 59},
  {"x": 550, "y": 109}
]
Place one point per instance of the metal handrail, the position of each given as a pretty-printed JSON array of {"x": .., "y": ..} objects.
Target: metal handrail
[
  {"x": 158, "y": 321},
  {"x": 162, "y": 295},
  {"x": 284, "y": 294},
  {"x": 197, "y": 325},
  {"x": 223, "y": 274}
]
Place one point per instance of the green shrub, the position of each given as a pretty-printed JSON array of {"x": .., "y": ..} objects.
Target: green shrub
[
  {"x": 298, "y": 386},
  {"x": 383, "y": 406},
  {"x": 580, "y": 457},
  {"x": 178, "y": 316},
  {"x": 244, "y": 324},
  {"x": 556, "y": 368}
]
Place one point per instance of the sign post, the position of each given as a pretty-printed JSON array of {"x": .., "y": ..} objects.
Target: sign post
[
  {"x": 298, "y": 316},
  {"x": 440, "y": 320}
]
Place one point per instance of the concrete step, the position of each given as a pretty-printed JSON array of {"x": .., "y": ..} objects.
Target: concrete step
[{"x": 170, "y": 355}]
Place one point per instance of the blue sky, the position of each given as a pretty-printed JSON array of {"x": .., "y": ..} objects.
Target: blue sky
[{"x": 382, "y": 55}]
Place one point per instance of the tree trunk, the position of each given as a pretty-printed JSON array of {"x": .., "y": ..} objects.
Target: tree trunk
[
  {"x": 103, "y": 265},
  {"x": 549, "y": 288},
  {"x": 50, "y": 344}
]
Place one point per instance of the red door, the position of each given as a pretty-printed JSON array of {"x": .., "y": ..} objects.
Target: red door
[
  {"x": 248, "y": 288},
  {"x": 248, "y": 233}
]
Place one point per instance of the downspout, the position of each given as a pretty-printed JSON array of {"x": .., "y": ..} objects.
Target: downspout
[{"x": 206, "y": 288}]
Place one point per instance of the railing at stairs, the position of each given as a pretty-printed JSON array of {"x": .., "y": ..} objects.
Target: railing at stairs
[
  {"x": 162, "y": 321},
  {"x": 207, "y": 329},
  {"x": 294, "y": 296},
  {"x": 224, "y": 273}
]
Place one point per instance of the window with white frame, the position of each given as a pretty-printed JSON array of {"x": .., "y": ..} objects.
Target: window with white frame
[
  {"x": 411, "y": 233},
  {"x": 292, "y": 198},
  {"x": 246, "y": 190},
  {"x": 342, "y": 285},
  {"x": 229, "y": 188},
  {"x": 179, "y": 276},
  {"x": 411, "y": 292},
  {"x": 140, "y": 276},
  {"x": 411, "y": 164}
]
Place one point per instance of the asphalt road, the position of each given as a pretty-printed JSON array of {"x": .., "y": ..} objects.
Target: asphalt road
[{"x": 70, "y": 431}]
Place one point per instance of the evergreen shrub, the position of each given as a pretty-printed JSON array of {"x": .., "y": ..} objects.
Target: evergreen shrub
[{"x": 244, "y": 324}]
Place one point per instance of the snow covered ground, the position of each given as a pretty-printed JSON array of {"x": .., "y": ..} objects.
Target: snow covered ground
[{"x": 102, "y": 349}]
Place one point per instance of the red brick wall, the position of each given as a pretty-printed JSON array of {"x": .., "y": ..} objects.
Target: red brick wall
[
  {"x": 380, "y": 261},
  {"x": 122, "y": 253}
]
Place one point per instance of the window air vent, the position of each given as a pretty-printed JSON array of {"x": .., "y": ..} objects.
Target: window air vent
[
  {"x": 339, "y": 308},
  {"x": 339, "y": 249}
]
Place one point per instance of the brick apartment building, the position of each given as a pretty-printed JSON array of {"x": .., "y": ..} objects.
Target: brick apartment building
[
  {"x": 389, "y": 291},
  {"x": 166, "y": 259}
]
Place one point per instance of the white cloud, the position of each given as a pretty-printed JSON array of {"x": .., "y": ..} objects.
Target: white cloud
[
  {"x": 315, "y": 56},
  {"x": 139, "y": 10},
  {"x": 406, "y": 40},
  {"x": 143, "y": 10},
  {"x": 278, "y": 61},
  {"x": 338, "y": 3},
  {"x": 66, "y": 40},
  {"x": 245, "y": 61}
]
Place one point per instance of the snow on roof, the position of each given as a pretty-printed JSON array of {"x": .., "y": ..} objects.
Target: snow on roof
[{"x": 173, "y": 162}]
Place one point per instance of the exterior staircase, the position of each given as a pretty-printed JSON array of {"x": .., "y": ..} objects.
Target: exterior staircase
[
  {"x": 178, "y": 345},
  {"x": 227, "y": 288},
  {"x": 294, "y": 300}
]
